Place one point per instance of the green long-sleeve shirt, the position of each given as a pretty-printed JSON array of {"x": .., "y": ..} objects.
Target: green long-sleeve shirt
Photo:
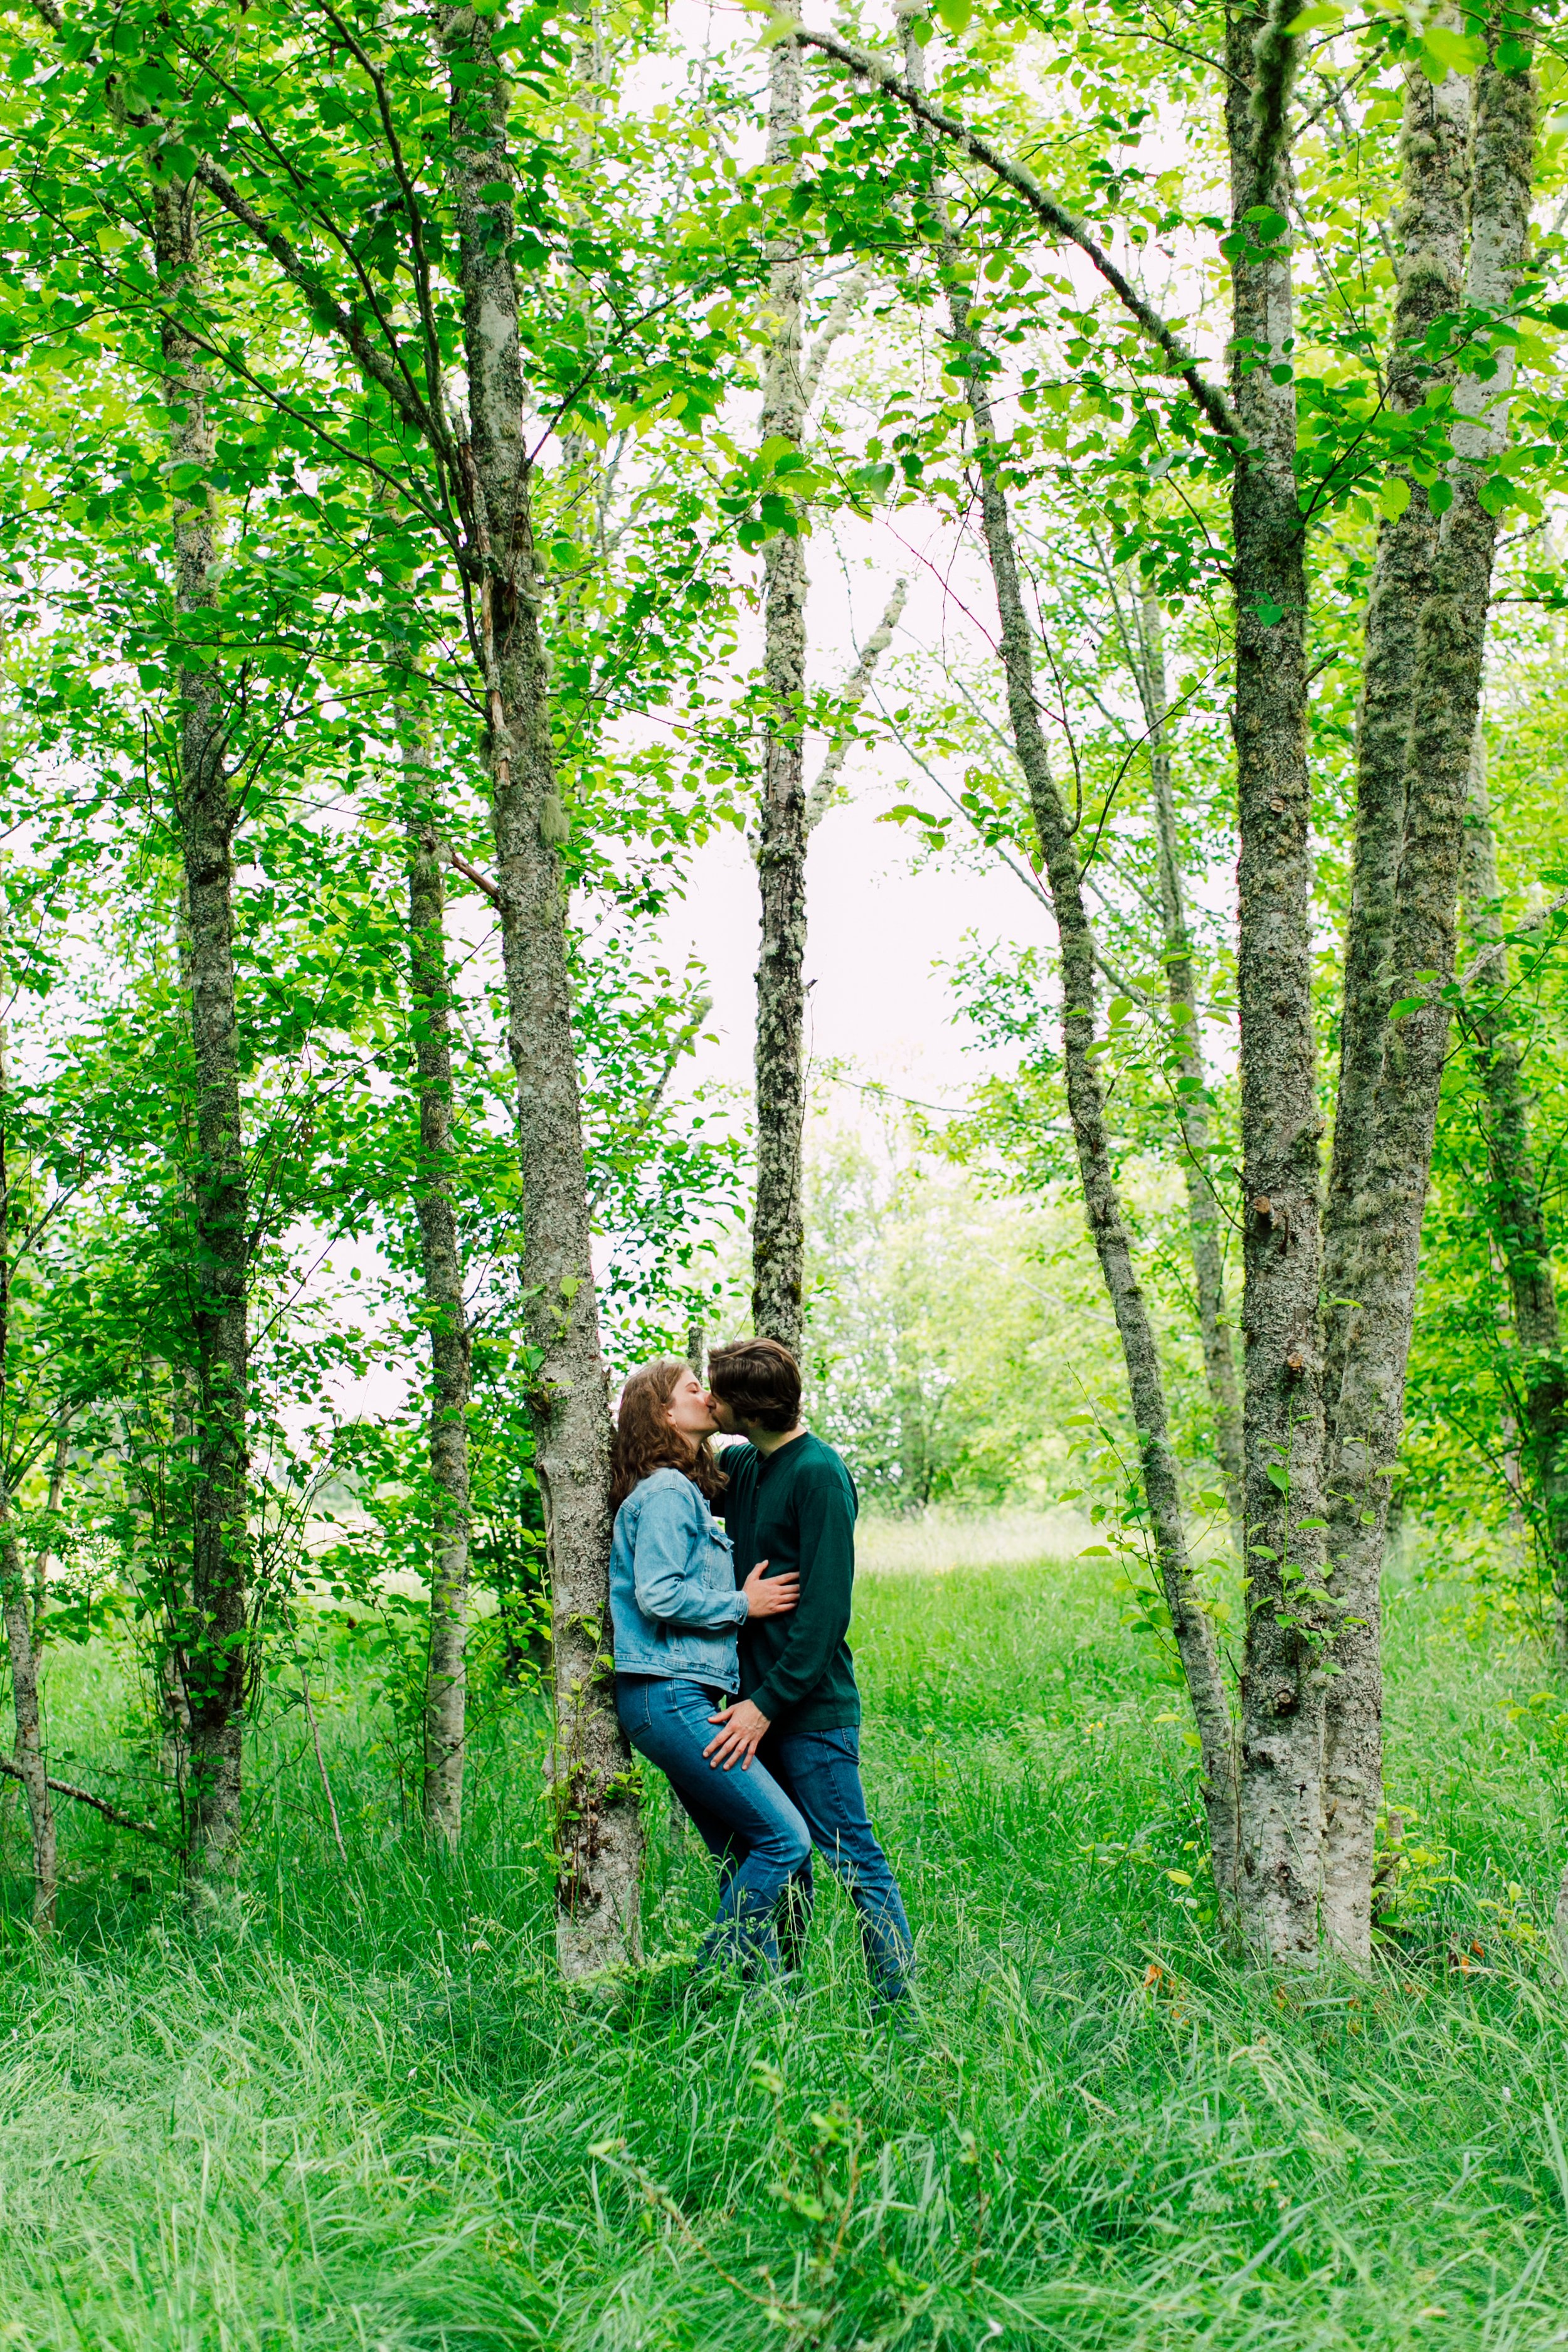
[{"x": 795, "y": 1508}]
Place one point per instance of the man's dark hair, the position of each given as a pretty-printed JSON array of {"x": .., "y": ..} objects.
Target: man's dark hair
[{"x": 759, "y": 1380}]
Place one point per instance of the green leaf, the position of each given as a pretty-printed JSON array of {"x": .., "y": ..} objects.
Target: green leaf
[
  {"x": 1393, "y": 498},
  {"x": 1278, "y": 1476},
  {"x": 1406, "y": 1005},
  {"x": 1444, "y": 51},
  {"x": 1180, "y": 1877},
  {"x": 955, "y": 15}
]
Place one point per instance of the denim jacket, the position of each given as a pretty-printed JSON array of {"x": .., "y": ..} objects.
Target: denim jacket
[{"x": 673, "y": 1603}]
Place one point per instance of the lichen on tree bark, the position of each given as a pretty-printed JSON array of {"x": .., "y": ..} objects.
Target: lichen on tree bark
[
  {"x": 1389, "y": 1159},
  {"x": 213, "y": 1630},
  {"x": 1282, "y": 1684}
]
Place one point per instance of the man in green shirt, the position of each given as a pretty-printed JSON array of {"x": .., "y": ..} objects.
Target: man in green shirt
[{"x": 790, "y": 1507}]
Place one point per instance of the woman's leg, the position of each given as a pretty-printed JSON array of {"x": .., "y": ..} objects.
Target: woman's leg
[{"x": 742, "y": 1813}]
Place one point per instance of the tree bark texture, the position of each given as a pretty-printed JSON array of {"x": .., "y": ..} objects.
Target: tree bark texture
[
  {"x": 1430, "y": 228},
  {"x": 778, "y": 1221},
  {"x": 1283, "y": 1686},
  {"x": 597, "y": 1829},
  {"x": 214, "y": 1639},
  {"x": 445, "y": 1677},
  {"x": 1192, "y": 1627},
  {"x": 1540, "y": 1380},
  {"x": 29, "y": 1747},
  {"x": 31, "y": 1763},
  {"x": 1392, "y": 1177},
  {"x": 1203, "y": 1220}
]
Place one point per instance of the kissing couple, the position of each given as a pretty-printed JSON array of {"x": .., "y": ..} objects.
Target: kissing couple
[{"x": 733, "y": 1673}]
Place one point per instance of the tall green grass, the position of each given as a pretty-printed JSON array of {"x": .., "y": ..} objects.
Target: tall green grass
[{"x": 360, "y": 2114}]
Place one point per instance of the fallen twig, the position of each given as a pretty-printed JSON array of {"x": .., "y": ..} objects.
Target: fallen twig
[{"x": 99, "y": 1805}]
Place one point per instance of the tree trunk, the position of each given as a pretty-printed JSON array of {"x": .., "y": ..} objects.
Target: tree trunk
[
  {"x": 778, "y": 1224},
  {"x": 599, "y": 1832},
  {"x": 852, "y": 694},
  {"x": 1514, "y": 1213},
  {"x": 446, "y": 1679},
  {"x": 1430, "y": 225},
  {"x": 29, "y": 1748},
  {"x": 1192, "y": 1108},
  {"x": 1430, "y": 228},
  {"x": 1192, "y": 1628},
  {"x": 1283, "y": 1685},
  {"x": 19, "y": 1638},
  {"x": 215, "y": 1640},
  {"x": 1390, "y": 1173},
  {"x": 43, "y": 1558}
]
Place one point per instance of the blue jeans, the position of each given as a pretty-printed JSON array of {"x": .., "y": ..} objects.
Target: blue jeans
[
  {"x": 746, "y": 1822},
  {"x": 819, "y": 1773}
]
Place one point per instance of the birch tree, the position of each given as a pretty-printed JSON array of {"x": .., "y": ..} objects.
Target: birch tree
[
  {"x": 21, "y": 1629},
  {"x": 778, "y": 1219},
  {"x": 1192, "y": 1628},
  {"x": 1146, "y": 651},
  {"x": 213, "y": 1645},
  {"x": 1394, "y": 1157},
  {"x": 445, "y": 1311}
]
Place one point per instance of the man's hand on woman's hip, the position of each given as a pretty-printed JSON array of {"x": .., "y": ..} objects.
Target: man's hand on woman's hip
[{"x": 744, "y": 1729}]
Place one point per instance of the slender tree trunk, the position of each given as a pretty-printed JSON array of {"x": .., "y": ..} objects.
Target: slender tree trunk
[
  {"x": 825, "y": 789},
  {"x": 19, "y": 1636},
  {"x": 599, "y": 1832},
  {"x": 1392, "y": 1177},
  {"x": 778, "y": 1224},
  {"x": 1283, "y": 1686},
  {"x": 1192, "y": 1628},
  {"x": 43, "y": 1559},
  {"x": 29, "y": 1747},
  {"x": 1191, "y": 1106},
  {"x": 215, "y": 1636},
  {"x": 1514, "y": 1204},
  {"x": 446, "y": 1679}
]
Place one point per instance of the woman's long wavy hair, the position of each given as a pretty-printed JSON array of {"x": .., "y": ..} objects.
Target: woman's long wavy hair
[{"x": 645, "y": 1441}]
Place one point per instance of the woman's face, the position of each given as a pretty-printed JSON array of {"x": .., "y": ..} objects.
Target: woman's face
[{"x": 688, "y": 1409}]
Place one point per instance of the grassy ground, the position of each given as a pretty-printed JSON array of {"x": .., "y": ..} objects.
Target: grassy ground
[{"x": 363, "y": 2115}]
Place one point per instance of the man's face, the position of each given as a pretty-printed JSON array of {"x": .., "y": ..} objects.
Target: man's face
[{"x": 723, "y": 1418}]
